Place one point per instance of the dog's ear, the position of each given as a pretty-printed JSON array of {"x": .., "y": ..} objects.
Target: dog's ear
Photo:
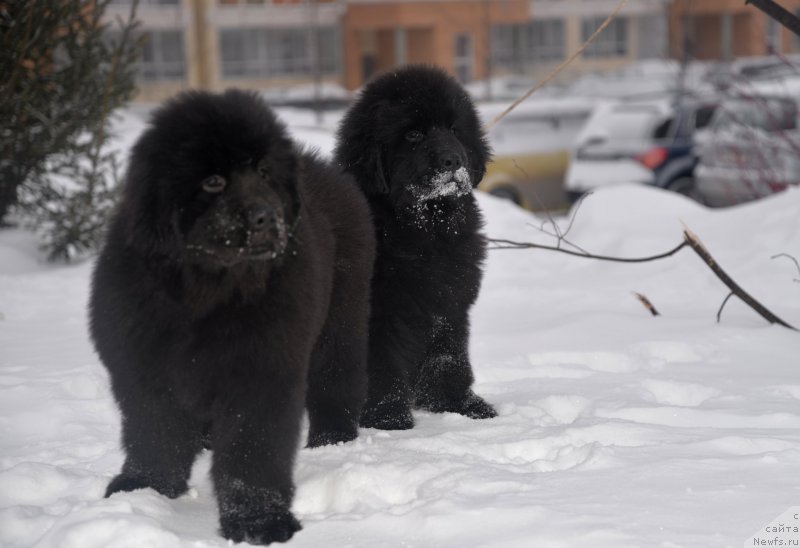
[
  {"x": 478, "y": 171},
  {"x": 358, "y": 149},
  {"x": 381, "y": 185},
  {"x": 297, "y": 171},
  {"x": 480, "y": 155},
  {"x": 150, "y": 226},
  {"x": 367, "y": 168}
]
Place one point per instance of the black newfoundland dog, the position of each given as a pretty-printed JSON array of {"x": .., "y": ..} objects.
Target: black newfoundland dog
[
  {"x": 233, "y": 289},
  {"x": 416, "y": 147}
]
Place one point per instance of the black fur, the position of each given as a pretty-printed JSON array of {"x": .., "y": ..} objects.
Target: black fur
[
  {"x": 232, "y": 290},
  {"x": 416, "y": 147}
]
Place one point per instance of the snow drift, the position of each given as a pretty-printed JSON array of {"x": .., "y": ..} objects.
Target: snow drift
[{"x": 616, "y": 428}]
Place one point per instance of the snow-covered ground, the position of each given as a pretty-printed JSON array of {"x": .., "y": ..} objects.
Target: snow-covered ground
[{"x": 616, "y": 428}]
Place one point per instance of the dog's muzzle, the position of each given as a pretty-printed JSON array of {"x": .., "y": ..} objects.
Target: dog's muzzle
[{"x": 448, "y": 184}]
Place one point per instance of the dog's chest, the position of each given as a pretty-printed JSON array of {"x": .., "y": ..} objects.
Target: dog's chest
[{"x": 431, "y": 273}]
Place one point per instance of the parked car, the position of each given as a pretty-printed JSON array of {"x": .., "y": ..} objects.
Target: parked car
[
  {"x": 752, "y": 149},
  {"x": 648, "y": 142},
  {"x": 531, "y": 150}
]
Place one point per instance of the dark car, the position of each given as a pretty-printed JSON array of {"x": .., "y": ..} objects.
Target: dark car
[
  {"x": 647, "y": 142},
  {"x": 751, "y": 150}
]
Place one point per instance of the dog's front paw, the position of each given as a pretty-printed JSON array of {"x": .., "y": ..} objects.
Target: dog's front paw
[
  {"x": 272, "y": 526},
  {"x": 393, "y": 415},
  {"x": 128, "y": 482},
  {"x": 470, "y": 405},
  {"x": 331, "y": 437},
  {"x": 475, "y": 407}
]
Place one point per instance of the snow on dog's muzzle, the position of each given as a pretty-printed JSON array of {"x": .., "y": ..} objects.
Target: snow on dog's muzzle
[{"x": 448, "y": 183}]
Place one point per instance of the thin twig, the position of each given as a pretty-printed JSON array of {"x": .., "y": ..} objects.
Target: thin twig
[
  {"x": 539, "y": 201},
  {"x": 575, "y": 209},
  {"x": 647, "y": 304},
  {"x": 559, "y": 237},
  {"x": 557, "y": 232},
  {"x": 510, "y": 244},
  {"x": 560, "y": 67},
  {"x": 719, "y": 312},
  {"x": 791, "y": 258}
]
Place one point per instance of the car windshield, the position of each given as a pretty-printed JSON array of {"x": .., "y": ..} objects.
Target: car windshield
[
  {"x": 526, "y": 134},
  {"x": 628, "y": 122}
]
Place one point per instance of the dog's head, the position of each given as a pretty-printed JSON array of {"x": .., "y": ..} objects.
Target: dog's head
[
  {"x": 213, "y": 181},
  {"x": 413, "y": 134}
]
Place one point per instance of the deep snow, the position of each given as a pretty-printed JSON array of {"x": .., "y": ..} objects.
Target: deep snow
[{"x": 616, "y": 429}]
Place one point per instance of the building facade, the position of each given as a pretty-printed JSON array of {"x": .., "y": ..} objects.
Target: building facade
[
  {"x": 274, "y": 44},
  {"x": 727, "y": 29},
  {"x": 557, "y": 28},
  {"x": 216, "y": 44}
]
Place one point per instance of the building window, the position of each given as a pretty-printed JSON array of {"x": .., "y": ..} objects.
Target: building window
[
  {"x": 464, "y": 58},
  {"x": 505, "y": 46},
  {"x": 773, "y": 36},
  {"x": 163, "y": 56},
  {"x": 515, "y": 46},
  {"x": 146, "y": 2},
  {"x": 612, "y": 42},
  {"x": 544, "y": 40},
  {"x": 330, "y": 50},
  {"x": 727, "y": 35},
  {"x": 266, "y": 53}
]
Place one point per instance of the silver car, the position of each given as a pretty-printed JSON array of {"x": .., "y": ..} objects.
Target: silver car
[{"x": 647, "y": 142}]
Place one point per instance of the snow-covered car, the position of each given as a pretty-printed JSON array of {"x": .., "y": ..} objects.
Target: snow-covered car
[
  {"x": 531, "y": 150},
  {"x": 648, "y": 142},
  {"x": 751, "y": 150}
]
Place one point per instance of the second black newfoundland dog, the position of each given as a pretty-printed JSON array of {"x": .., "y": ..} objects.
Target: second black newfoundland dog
[
  {"x": 416, "y": 147},
  {"x": 232, "y": 290}
]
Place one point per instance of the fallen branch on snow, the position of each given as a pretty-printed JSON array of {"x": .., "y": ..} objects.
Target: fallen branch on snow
[
  {"x": 647, "y": 304},
  {"x": 695, "y": 243},
  {"x": 689, "y": 240}
]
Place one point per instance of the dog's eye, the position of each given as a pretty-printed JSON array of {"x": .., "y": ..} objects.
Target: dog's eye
[
  {"x": 414, "y": 136},
  {"x": 214, "y": 184},
  {"x": 262, "y": 169}
]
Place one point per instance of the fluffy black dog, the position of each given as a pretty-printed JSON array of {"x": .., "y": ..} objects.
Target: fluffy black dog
[
  {"x": 233, "y": 288},
  {"x": 416, "y": 147}
]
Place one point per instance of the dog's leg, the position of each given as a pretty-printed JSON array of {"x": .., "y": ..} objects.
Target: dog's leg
[
  {"x": 337, "y": 379},
  {"x": 445, "y": 375},
  {"x": 160, "y": 441},
  {"x": 388, "y": 404},
  {"x": 254, "y": 435}
]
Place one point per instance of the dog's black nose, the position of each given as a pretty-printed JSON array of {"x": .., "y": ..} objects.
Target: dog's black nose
[
  {"x": 261, "y": 217},
  {"x": 450, "y": 161}
]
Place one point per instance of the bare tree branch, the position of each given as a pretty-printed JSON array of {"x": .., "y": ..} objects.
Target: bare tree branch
[
  {"x": 689, "y": 239},
  {"x": 779, "y": 13},
  {"x": 510, "y": 244}
]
